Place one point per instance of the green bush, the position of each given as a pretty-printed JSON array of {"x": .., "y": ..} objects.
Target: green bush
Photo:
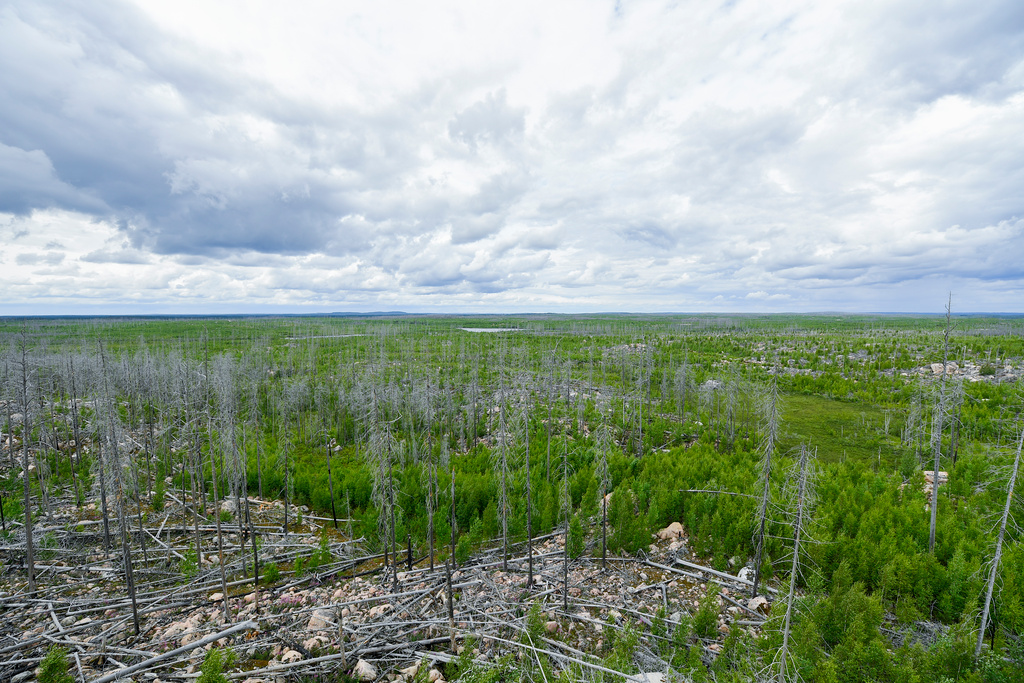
[
  {"x": 705, "y": 621},
  {"x": 463, "y": 550},
  {"x": 214, "y": 664},
  {"x": 189, "y": 565},
  {"x": 576, "y": 543},
  {"x": 271, "y": 573},
  {"x": 54, "y": 667},
  {"x": 623, "y": 650},
  {"x": 157, "y": 500}
]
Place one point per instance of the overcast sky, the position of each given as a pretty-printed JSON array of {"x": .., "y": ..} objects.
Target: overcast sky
[{"x": 198, "y": 156}]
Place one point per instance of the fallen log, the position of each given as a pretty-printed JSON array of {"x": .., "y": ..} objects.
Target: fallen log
[{"x": 121, "y": 673}]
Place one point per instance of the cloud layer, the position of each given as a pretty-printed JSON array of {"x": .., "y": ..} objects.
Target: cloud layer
[{"x": 503, "y": 157}]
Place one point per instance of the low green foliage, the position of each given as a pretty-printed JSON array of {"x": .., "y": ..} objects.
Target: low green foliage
[
  {"x": 188, "y": 566},
  {"x": 159, "y": 493},
  {"x": 214, "y": 664},
  {"x": 271, "y": 573},
  {"x": 705, "y": 621},
  {"x": 577, "y": 541},
  {"x": 624, "y": 644},
  {"x": 54, "y": 667}
]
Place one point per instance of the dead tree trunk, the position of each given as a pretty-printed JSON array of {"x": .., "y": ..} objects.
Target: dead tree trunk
[
  {"x": 937, "y": 420},
  {"x": 999, "y": 546},
  {"x": 767, "y": 449},
  {"x": 529, "y": 502},
  {"x": 801, "y": 508},
  {"x": 26, "y": 433},
  {"x": 119, "y": 492}
]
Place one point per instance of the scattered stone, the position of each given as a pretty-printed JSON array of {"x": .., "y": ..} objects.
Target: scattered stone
[
  {"x": 365, "y": 671},
  {"x": 321, "y": 620},
  {"x": 758, "y": 603},
  {"x": 672, "y": 532},
  {"x": 551, "y": 627},
  {"x": 647, "y": 677}
]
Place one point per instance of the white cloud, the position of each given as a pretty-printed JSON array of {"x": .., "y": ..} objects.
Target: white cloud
[{"x": 577, "y": 156}]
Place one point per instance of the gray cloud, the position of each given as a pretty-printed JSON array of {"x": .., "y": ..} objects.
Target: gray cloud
[{"x": 677, "y": 153}]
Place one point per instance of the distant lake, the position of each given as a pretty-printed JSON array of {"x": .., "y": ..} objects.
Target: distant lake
[{"x": 490, "y": 329}]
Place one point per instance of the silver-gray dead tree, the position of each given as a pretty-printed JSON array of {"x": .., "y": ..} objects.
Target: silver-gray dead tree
[{"x": 994, "y": 569}]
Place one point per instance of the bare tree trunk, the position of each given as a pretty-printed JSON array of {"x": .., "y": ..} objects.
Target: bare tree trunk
[
  {"x": 330, "y": 482},
  {"x": 119, "y": 493},
  {"x": 937, "y": 432},
  {"x": 26, "y": 437},
  {"x": 567, "y": 507},
  {"x": 802, "y": 495},
  {"x": 767, "y": 449},
  {"x": 453, "y": 519},
  {"x": 194, "y": 475},
  {"x": 501, "y": 464},
  {"x": 75, "y": 427},
  {"x": 601, "y": 472},
  {"x": 220, "y": 535},
  {"x": 104, "y": 510},
  {"x": 999, "y": 547},
  {"x": 529, "y": 504}
]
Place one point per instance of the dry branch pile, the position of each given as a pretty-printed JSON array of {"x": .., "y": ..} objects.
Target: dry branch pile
[{"x": 345, "y": 615}]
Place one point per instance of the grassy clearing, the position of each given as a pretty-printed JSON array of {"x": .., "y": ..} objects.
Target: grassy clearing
[{"x": 838, "y": 429}]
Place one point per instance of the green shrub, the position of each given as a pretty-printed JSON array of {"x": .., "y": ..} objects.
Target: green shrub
[
  {"x": 623, "y": 650},
  {"x": 189, "y": 565},
  {"x": 534, "y": 624},
  {"x": 271, "y": 573},
  {"x": 157, "y": 500},
  {"x": 576, "y": 543},
  {"x": 322, "y": 555},
  {"x": 463, "y": 550},
  {"x": 214, "y": 664},
  {"x": 705, "y": 621},
  {"x": 54, "y": 667}
]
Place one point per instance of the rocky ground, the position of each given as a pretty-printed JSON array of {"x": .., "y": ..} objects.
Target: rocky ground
[{"x": 349, "y": 614}]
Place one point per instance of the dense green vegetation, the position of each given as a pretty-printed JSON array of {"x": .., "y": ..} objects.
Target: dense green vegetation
[{"x": 670, "y": 407}]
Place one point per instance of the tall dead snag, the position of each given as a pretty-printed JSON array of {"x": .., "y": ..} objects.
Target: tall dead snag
[
  {"x": 682, "y": 385},
  {"x": 449, "y": 565},
  {"x": 994, "y": 570},
  {"x": 120, "y": 502},
  {"x": 79, "y": 499},
  {"x": 803, "y": 503},
  {"x": 937, "y": 428},
  {"x": 550, "y": 401},
  {"x": 771, "y": 435},
  {"x": 430, "y": 474},
  {"x": 381, "y": 454},
  {"x": 529, "y": 497},
  {"x": 603, "y": 475},
  {"x": 566, "y": 500},
  {"x": 26, "y": 431},
  {"x": 500, "y": 458},
  {"x": 216, "y": 476}
]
